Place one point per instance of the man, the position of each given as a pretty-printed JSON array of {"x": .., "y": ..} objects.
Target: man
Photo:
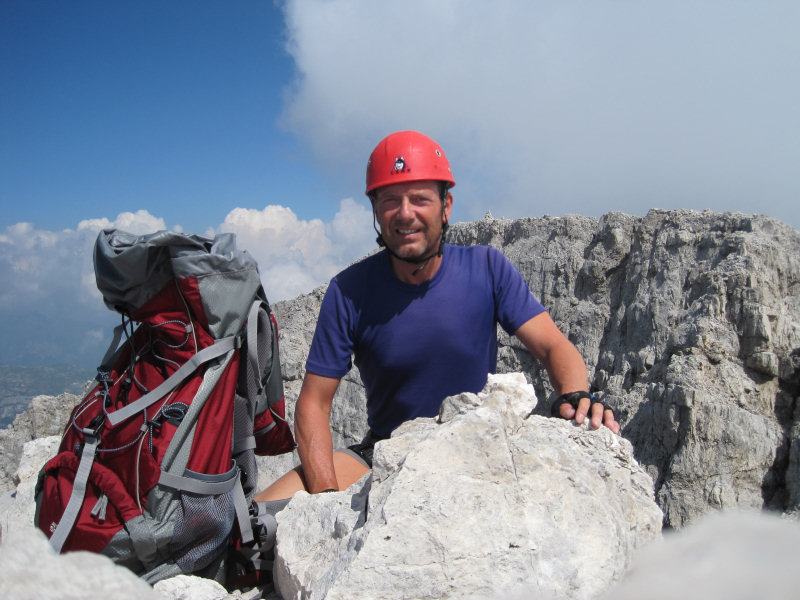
[{"x": 420, "y": 319}]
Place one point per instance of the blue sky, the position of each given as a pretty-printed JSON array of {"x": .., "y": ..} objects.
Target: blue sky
[
  {"x": 257, "y": 117},
  {"x": 170, "y": 107}
]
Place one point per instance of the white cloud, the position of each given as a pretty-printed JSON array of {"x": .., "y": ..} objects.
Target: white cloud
[
  {"x": 49, "y": 299},
  {"x": 554, "y": 107},
  {"x": 140, "y": 222},
  {"x": 294, "y": 256},
  {"x": 352, "y": 231}
]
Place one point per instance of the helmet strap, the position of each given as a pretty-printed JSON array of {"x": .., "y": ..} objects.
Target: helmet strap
[{"x": 416, "y": 261}]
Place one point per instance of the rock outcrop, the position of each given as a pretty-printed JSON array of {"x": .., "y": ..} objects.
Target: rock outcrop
[
  {"x": 17, "y": 509},
  {"x": 45, "y": 416},
  {"x": 688, "y": 321},
  {"x": 691, "y": 323}
]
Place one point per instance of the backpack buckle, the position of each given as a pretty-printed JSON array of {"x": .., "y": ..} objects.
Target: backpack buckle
[
  {"x": 103, "y": 376},
  {"x": 94, "y": 426}
]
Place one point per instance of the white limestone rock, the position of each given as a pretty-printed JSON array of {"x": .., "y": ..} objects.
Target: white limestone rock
[
  {"x": 45, "y": 416},
  {"x": 17, "y": 509},
  {"x": 189, "y": 587},
  {"x": 485, "y": 500},
  {"x": 30, "y": 569}
]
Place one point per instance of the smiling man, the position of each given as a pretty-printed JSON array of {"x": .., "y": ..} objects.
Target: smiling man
[{"x": 419, "y": 319}]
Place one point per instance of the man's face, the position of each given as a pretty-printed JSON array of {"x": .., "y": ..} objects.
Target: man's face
[{"x": 410, "y": 216}]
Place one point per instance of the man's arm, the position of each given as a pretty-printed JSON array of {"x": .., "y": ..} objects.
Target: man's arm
[
  {"x": 565, "y": 367},
  {"x": 313, "y": 431}
]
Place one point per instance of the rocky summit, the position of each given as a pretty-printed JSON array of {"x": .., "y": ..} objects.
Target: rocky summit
[
  {"x": 689, "y": 323},
  {"x": 690, "y": 326}
]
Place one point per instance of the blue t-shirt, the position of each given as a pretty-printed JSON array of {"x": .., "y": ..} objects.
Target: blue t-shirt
[{"x": 414, "y": 345}]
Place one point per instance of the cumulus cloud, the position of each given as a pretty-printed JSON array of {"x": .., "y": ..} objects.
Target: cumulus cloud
[
  {"x": 553, "y": 107},
  {"x": 49, "y": 300},
  {"x": 140, "y": 223},
  {"x": 52, "y": 312},
  {"x": 294, "y": 255}
]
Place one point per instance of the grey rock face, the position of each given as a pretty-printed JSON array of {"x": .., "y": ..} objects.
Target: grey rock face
[
  {"x": 690, "y": 323},
  {"x": 17, "y": 510},
  {"x": 46, "y": 416},
  {"x": 297, "y": 320},
  {"x": 486, "y": 500}
]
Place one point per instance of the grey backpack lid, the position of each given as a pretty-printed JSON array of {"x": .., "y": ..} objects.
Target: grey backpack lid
[{"x": 131, "y": 269}]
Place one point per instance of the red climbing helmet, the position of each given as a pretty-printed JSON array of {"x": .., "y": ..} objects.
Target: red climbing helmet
[{"x": 407, "y": 156}]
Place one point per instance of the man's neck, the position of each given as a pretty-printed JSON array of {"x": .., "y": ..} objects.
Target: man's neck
[{"x": 415, "y": 273}]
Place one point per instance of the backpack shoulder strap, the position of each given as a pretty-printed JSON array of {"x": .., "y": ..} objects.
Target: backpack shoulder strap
[
  {"x": 75, "y": 502},
  {"x": 262, "y": 352}
]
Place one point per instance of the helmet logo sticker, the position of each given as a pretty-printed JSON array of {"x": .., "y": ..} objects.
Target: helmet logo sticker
[{"x": 399, "y": 165}]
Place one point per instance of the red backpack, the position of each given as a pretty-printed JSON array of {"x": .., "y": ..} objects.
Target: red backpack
[{"x": 156, "y": 467}]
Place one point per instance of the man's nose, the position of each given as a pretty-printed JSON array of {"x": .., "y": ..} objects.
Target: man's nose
[{"x": 404, "y": 210}]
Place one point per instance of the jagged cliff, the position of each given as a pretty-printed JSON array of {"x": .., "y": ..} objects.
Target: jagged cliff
[{"x": 689, "y": 321}]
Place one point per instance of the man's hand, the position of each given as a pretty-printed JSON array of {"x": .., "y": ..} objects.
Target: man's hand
[
  {"x": 600, "y": 415},
  {"x": 565, "y": 367}
]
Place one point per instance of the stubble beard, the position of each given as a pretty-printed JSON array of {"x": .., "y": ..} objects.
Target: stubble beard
[{"x": 409, "y": 253}]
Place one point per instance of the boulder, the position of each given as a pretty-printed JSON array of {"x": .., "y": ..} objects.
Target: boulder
[
  {"x": 483, "y": 501},
  {"x": 190, "y": 587},
  {"x": 30, "y": 569}
]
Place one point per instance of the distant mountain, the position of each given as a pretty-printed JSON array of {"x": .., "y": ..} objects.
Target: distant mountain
[{"x": 18, "y": 385}]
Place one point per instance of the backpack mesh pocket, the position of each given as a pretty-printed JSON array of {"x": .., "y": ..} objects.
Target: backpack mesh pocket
[{"x": 202, "y": 530}]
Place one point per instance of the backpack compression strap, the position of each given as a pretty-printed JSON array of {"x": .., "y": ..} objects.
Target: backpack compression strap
[{"x": 219, "y": 348}]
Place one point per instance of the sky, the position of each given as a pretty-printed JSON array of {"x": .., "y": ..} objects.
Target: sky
[{"x": 257, "y": 118}]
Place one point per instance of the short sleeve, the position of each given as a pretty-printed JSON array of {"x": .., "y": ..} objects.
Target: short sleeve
[{"x": 332, "y": 345}]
